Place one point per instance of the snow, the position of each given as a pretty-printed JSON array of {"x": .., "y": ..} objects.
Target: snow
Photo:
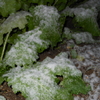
[
  {"x": 2, "y": 97},
  {"x": 2, "y": 3},
  {"x": 79, "y": 37},
  {"x": 32, "y": 37},
  {"x": 26, "y": 48},
  {"x": 90, "y": 4},
  {"x": 41, "y": 77},
  {"x": 31, "y": 82},
  {"x": 84, "y": 13},
  {"x": 82, "y": 37},
  {"x": 47, "y": 15},
  {"x": 91, "y": 55},
  {"x": 93, "y": 79},
  {"x": 21, "y": 54}
]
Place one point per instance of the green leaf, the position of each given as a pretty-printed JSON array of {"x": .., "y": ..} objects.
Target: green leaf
[
  {"x": 13, "y": 21},
  {"x": 45, "y": 34},
  {"x": 39, "y": 81},
  {"x": 75, "y": 85},
  {"x": 7, "y": 7},
  {"x": 73, "y": 53},
  {"x": 47, "y": 18}
]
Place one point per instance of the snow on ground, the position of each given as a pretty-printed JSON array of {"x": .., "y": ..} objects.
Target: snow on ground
[{"x": 88, "y": 61}]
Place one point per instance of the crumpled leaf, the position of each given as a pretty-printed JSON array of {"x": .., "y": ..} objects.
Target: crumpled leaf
[
  {"x": 13, "y": 21},
  {"x": 25, "y": 50}
]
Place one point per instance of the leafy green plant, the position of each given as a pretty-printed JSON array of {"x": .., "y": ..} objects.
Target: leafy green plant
[
  {"x": 27, "y": 45},
  {"x": 40, "y": 82},
  {"x": 84, "y": 19},
  {"x": 32, "y": 31}
]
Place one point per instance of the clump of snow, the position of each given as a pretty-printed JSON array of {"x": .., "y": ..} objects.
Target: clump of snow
[
  {"x": 83, "y": 37},
  {"x": 47, "y": 15},
  {"x": 25, "y": 50},
  {"x": 60, "y": 61},
  {"x": 93, "y": 80},
  {"x": 67, "y": 33},
  {"x": 90, "y": 61},
  {"x": 20, "y": 54},
  {"x": 2, "y": 97},
  {"x": 32, "y": 37},
  {"x": 2, "y": 3},
  {"x": 91, "y": 4},
  {"x": 47, "y": 18},
  {"x": 81, "y": 13},
  {"x": 79, "y": 37}
]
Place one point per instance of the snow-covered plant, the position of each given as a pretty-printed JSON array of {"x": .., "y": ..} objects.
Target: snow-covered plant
[
  {"x": 24, "y": 52},
  {"x": 33, "y": 31},
  {"x": 83, "y": 37},
  {"x": 40, "y": 81},
  {"x": 79, "y": 37},
  {"x": 47, "y": 18},
  {"x": 45, "y": 33},
  {"x": 85, "y": 16}
]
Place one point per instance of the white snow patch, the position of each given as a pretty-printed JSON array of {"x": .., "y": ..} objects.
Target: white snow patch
[
  {"x": 2, "y": 3},
  {"x": 83, "y": 37},
  {"x": 2, "y": 97},
  {"x": 48, "y": 15}
]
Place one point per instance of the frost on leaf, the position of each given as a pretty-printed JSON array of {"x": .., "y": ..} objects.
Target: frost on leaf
[
  {"x": 85, "y": 18},
  {"x": 79, "y": 37},
  {"x": 32, "y": 38},
  {"x": 43, "y": 35},
  {"x": 39, "y": 81},
  {"x": 25, "y": 50},
  {"x": 20, "y": 54},
  {"x": 83, "y": 37},
  {"x": 47, "y": 18}
]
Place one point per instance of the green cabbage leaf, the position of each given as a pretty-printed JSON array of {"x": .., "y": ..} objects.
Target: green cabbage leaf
[
  {"x": 15, "y": 20},
  {"x": 40, "y": 82}
]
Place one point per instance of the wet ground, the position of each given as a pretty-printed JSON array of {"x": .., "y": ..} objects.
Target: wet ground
[{"x": 86, "y": 58}]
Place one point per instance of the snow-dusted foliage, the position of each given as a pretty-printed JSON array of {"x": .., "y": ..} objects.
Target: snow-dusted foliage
[
  {"x": 35, "y": 41},
  {"x": 85, "y": 16},
  {"x": 79, "y": 37},
  {"x": 15, "y": 20},
  {"x": 40, "y": 81},
  {"x": 83, "y": 37},
  {"x": 47, "y": 18},
  {"x": 25, "y": 50}
]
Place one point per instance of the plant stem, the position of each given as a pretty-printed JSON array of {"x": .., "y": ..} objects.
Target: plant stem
[
  {"x": 55, "y": 2},
  {"x": 4, "y": 46}
]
